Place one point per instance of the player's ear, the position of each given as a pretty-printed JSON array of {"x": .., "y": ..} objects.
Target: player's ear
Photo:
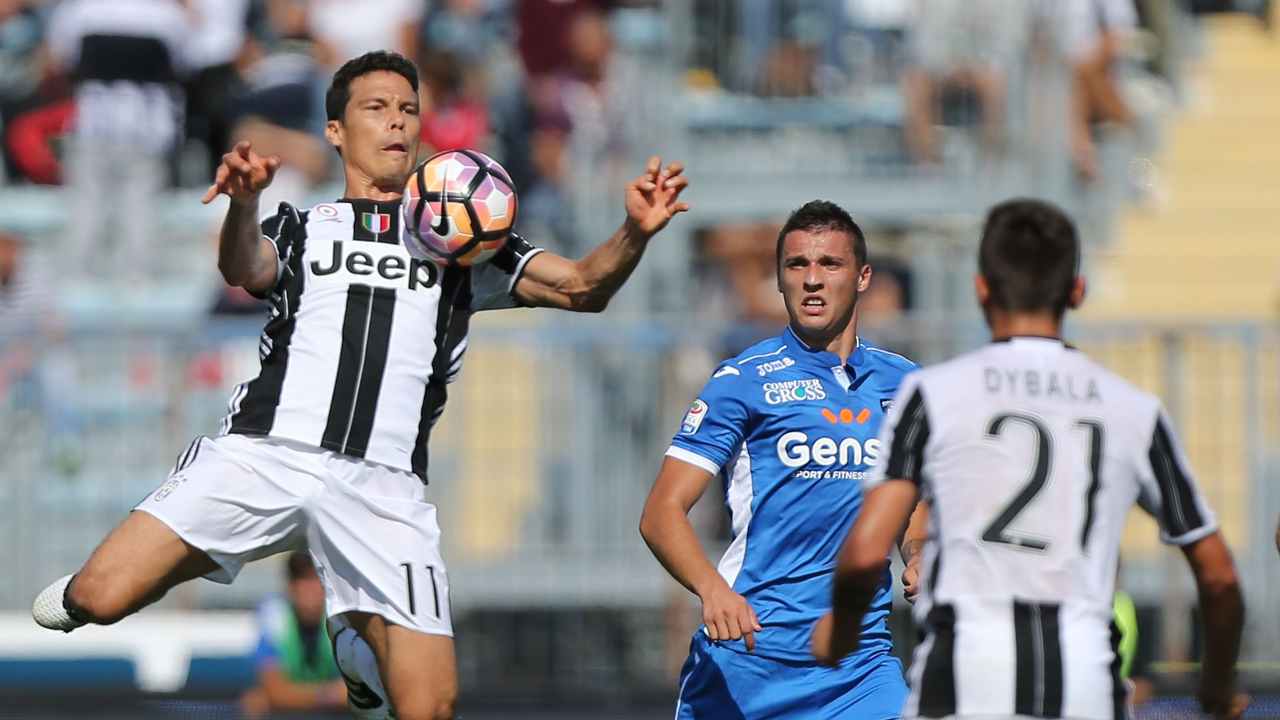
[
  {"x": 335, "y": 133},
  {"x": 981, "y": 289},
  {"x": 864, "y": 278},
  {"x": 1076, "y": 298}
]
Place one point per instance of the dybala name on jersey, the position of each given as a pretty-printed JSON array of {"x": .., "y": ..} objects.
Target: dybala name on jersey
[
  {"x": 1041, "y": 383},
  {"x": 390, "y": 266}
]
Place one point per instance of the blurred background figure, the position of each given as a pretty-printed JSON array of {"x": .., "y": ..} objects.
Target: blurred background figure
[
  {"x": 35, "y": 107},
  {"x": 294, "y": 659},
  {"x": 27, "y": 311},
  {"x": 962, "y": 52},
  {"x": 126, "y": 60},
  {"x": 279, "y": 108},
  {"x": 219, "y": 31},
  {"x": 1095, "y": 35},
  {"x": 344, "y": 30}
]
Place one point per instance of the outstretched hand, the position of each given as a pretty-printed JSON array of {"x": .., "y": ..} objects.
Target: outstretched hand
[
  {"x": 654, "y": 198},
  {"x": 242, "y": 175}
]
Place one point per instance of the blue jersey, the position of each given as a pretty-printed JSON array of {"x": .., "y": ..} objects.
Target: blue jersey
[{"x": 793, "y": 432}]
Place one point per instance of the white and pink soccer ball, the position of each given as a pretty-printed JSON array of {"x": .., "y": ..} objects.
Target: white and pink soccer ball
[{"x": 459, "y": 207}]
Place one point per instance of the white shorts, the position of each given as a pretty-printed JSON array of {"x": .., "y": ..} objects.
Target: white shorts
[{"x": 370, "y": 530}]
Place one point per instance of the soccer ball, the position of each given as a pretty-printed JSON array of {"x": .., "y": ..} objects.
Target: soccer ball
[{"x": 458, "y": 208}]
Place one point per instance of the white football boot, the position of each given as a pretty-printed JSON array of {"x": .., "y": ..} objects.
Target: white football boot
[{"x": 50, "y": 610}]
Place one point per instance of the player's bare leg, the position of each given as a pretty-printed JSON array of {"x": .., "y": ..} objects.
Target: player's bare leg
[
  {"x": 137, "y": 563},
  {"x": 418, "y": 670}
]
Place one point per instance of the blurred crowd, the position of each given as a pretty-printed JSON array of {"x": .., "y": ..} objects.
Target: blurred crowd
[{"x": 118, "y": 100}]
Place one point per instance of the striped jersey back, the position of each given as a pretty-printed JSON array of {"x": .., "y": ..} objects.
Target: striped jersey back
[{"x": 1030, "y": 456}]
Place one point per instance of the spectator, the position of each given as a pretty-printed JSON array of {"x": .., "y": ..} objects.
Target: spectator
[
  {"x": 294, "y": 659},
  {"x": 35, "y": 108},
  {"x": 349, "y": 28},
  {"x": 219, "y": 34},
  {"x": 964, "y": 45},
  {"x": 35, "y": 138},
  {"x": 577, "y": 112},
  {"x": 26, "y": 310},
  {"x": 25, "y": 299},
  {"x": 20, "y": 34},
  {"x": 543, "y": 30},
  {"x": 279, "y": 110},
  {"x": 742, "y": 260},
  {"x": 793, "y": 49},
  {"x": 455, "y": 113},
  {"x": 1094, "y": 35},
  {"x": 474, "y": 29},
  {"x": 125, "y": 57}
]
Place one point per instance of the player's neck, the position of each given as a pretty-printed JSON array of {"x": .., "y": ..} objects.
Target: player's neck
[
  {"x": 361, "y": 187},
  {"x": 1013, "y": 324},
  {"x": 840, "y": 344}
]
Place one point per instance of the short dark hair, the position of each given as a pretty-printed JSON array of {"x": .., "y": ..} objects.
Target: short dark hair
[
  {"x": 339, "y": 93},
  {"x": 1029, "y": 256},
  {"x": 299, "y": 565},
  {"x": 824, "y": 215}
]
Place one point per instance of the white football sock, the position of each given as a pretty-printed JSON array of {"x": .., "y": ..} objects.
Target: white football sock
[{"x": 356, "y": 662}]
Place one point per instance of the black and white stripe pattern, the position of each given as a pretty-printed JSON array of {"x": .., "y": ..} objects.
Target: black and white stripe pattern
[
  {"x": 254, "y": 404},
  {"x": 910, "y": 436},
  {"x": 1119, "y": 691},
  {"x": 363, "y": 339},
  {"x": 1030, "y": 633},
  {"x": 1179, "y": 512},
  {"x": 938, "y": 682},
  {"x": 1037, "y": 639},
  {"x": 366, "y": 336},
  {"x": 187, "y": 457},
  {"x": 452, "y": 319}
]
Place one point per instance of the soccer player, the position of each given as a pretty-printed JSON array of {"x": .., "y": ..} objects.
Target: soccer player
[
  {"x": 1029, "y": 456},
  {"x": 790, "y": 425},
  {"x": 328, "y": 445}
]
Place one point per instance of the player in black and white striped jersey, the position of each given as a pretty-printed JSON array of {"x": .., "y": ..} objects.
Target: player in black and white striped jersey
[
  {"x": 1029, "y": 456},
  {"x": 362, "y": 335},
  {"x": 327, "y": 445}
]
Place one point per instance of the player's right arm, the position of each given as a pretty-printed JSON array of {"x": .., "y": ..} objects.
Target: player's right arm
[
  {"x": 710, "y": 436},
  {"x": 1222, "y": 612},
  {"x": 666, "y": 529},
  {"x": 246, "y": 258},
  {"x": 1171, "y": 495}
]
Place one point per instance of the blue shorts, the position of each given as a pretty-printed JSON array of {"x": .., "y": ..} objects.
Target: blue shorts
[{"x": 717, "y": 683}]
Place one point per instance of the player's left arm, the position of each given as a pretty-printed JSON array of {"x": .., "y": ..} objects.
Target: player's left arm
[
  {"x": 880, "y": 523},
  {"x": 587, "y": 285}
]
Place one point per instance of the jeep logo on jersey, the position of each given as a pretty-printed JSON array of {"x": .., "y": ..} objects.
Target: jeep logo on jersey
[
  {"x": 777, "y": 393},
  {"x": 766, "y": 368},
  {"x": 414, "y": 273},
  {"x": 795, "y": 450},
  {"x": 375, "y": 222}
]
